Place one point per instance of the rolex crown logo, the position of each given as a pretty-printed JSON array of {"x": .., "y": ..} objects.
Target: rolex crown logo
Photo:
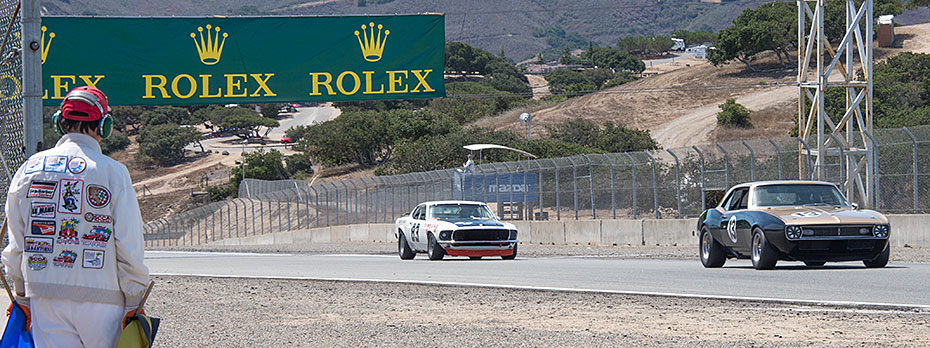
[
  {"x": 46, "y": 45},
  {"x": 372, "y": 45},
  {"x": 211, "y": 50}
]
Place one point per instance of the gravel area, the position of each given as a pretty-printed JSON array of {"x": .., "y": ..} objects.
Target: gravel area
[
  {"x": 526, "y": 250},
  {"x": 226, "y": 312}
]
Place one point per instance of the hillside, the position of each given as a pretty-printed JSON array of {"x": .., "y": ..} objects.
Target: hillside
[
  {"x": 491, "y": 25},
  {"x": 679, "y": 106}
]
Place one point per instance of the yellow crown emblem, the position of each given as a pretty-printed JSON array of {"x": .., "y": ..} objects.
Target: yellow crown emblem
[
  {"x": 372, "y": 46},
  {"x": 46, "y": 46},
  {"x": 210, "y": 51}
]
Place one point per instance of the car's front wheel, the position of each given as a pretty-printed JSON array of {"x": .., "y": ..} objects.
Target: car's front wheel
[
  {"x": 881, "y": 260},
  {"x": 433, "y": 250},
  {"x": 764, "y": 256},
  {"x": 712, "y": 253},
  {"x": 403, "y": 249}
]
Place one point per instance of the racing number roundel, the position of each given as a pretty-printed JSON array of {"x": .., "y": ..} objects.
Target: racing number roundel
[{"x": 731, "y": 228}]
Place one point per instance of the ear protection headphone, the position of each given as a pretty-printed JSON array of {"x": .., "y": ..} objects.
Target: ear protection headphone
[{"x": 106, "y": 122}]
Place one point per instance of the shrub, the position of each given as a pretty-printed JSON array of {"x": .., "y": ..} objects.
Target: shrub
[{"x": 733, "y": 114}]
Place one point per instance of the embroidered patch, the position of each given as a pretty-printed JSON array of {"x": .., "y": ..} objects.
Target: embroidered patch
[
  {"x": 69, "y": 202},
  {"x": 43, "y": 227},
  {"x": 39, "y": 245},
  {"x": 42, "y": 189},
  {"x": 37, "y": 262},
  {"x": 45, "y": 210},
  {"x": 56, "y": 164},
  {"x": 97, "y": 237},
  {"x": 77, "y": 165},
  {"x": 97, "y": 218},
  {"x": 68, "y": 234},
  {"x": 93, "y": 259},
  {"x": 65, "y": 259},
  {"x": 34, "y": 165},
  {"x": 98, "y": 196}
]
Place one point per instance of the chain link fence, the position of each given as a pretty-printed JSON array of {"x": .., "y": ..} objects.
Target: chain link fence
[
  {"x": 11, "y": 93},
  {"x": 675, "y": 183}
]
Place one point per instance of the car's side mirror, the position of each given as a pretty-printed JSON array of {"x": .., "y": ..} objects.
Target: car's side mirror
[{"x": 855, "y": 206}]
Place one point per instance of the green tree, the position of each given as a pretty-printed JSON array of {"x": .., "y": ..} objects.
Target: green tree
[
  {"x": 577, "y": 131},
  {"x": 560, "y": 79},
  {"x": 164, "y": 144},
  {"x": 270, "y": 110},
  {"x": 732, "y": 114},
  {"x": 445, "y": 151},
  {"x": 117, "y": 141},
  {"x": 770, "y": 27},
  {"x": 167, "y": 114},
  {"x": 255, "y": 165},
  {"x": 614, "y": 59},
  {"x": 621, "y": 139},
  {"x": 695, "y": 37}
]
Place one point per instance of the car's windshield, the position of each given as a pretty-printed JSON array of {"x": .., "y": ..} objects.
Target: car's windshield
[
  {"x": 798, "y": 194},
  {"x": 460, "y": 212}
]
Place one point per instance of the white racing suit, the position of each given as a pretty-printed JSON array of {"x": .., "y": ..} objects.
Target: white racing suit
[{"x": 75, "y": 243}]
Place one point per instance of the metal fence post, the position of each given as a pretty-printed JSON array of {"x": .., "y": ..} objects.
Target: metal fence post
[
  {"x": 703, "y": 192},
  {"x": 526, "y": 205},
  {"x": 914, "y": 167},
  {"x": 316, "y": 195},
  {"x": 677, "y": 180},
  {"x": 558, "y": 204},
  {"x": 810, "y": 162},
  {"x": 354, "y": 188},
  {"x": 778, "y": 156},
  {"x": 345, "y": 189},
  {"x": 875, "y": 184},
  {"x": 591, "y": 185},
  {"x": 633, "y": 166},
  {"x": 841, "y": 145},
  {"x": 726, "y": 165},
  {"x": 235, "y": 202},
  {"x": 574, "y": 186},
  {"x": 655, "y": 185},
  {"x": 752, "y": 161},
  {"x": 539, "y": 183},
  {"x": 613, "y": 207}
]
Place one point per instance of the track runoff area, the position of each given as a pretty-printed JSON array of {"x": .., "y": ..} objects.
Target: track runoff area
[{"x": 900, "y": 286}]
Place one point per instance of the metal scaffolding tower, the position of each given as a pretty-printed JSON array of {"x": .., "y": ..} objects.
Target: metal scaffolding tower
[{"x": 846, "y": 139}]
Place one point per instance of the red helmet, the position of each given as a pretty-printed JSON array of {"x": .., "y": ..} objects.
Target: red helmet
[{"x": 85, "y": 103}]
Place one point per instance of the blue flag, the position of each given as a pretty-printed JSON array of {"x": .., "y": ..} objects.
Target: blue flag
[{"x": 15, "y": 334}]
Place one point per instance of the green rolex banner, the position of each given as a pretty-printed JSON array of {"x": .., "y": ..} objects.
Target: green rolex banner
[{"x": 216, "y": 60}]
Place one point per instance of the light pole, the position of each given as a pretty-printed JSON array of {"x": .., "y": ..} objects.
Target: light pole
[{"x": 526, "y": 119}]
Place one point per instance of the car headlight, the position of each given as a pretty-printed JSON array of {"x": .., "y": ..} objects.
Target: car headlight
[
  {"x": 513, "y": 235},
  {"x": 793, "y": 232},
  {"x": 880, "y": 231},
  {"x": 445, "y": 235}
]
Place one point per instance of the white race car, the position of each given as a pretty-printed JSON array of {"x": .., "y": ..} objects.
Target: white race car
[{"x": 455, "y": 228}]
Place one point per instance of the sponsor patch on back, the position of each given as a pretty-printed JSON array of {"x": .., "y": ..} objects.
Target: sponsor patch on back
[
  {"x": 69, "y": 202},
  {"x": 42, "y": 210},
  {"x": 34, "y": 165},
  {"x": 93, "y": 259},
  {"x": 97, "y": 218},
  {"x": 39, "y": 245},
  {"x": 42, "y": 189},
  {"x": 56, "y": 164},
  {"x": 43, "y": 227}
]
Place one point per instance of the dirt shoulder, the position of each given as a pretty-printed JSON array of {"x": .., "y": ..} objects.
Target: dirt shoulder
[
  {"x": 258, "y": 312},
  {"x": 526, "y": 250}
]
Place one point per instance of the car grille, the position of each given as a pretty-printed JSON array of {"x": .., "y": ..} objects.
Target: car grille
[
  {"x": 481, "y": 234},
  {"x": 837, "y": 231}
]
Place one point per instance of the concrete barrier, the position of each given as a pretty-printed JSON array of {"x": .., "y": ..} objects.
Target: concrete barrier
[
  {"x": 622, "y": 232},
  {"x": 910, "y": 230},
  {"x": 548, "y": 232},
  {"x": 583, "y": 232},
  {"x": 906, "y": 230},
  {"x": 669, "y": 232}
]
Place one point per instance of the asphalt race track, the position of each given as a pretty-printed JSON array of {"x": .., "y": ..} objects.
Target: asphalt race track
[{"x": 900, "y": 284}]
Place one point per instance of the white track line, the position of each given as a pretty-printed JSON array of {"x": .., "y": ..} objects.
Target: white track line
[{"x": 853, "y": 304}]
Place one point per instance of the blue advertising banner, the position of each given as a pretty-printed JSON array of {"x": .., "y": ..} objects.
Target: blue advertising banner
[{"x": 494, "y": 188}]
